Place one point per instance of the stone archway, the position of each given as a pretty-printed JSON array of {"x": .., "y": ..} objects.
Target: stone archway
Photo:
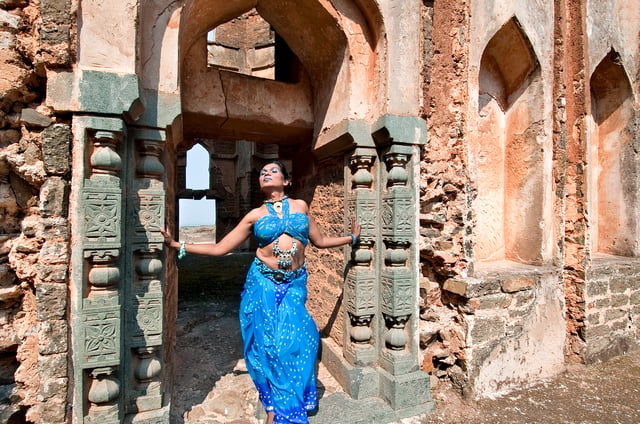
[{"x": 349, "y": 109}]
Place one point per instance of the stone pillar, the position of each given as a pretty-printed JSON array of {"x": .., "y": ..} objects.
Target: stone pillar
[
  {"x": 402, "y": 383},
  {"x": 380, "y": 343},
  {"x": 97, "y": 191},
  {"x": 143, "y": 295},
  {"x": 117, "y": 280}
]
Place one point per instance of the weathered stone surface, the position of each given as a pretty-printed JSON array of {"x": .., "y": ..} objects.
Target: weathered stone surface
[
  {"x": 54, "y": 252},
  {"x": 52, "y": 301},
  {"x": 52, "y": 273},
  {"x": 53, "y": 337},
  {"x": 54, "y": 197},
  {"x": 455, "y": 286},
  {"x": 519, "y": 283},
  {"x": 485, "y": 329},
  {"x": 9, "y": 21},
  {"x": 56, "y": 142},
  {"x": 31, "y": 117},
  {"x": 53, "y": 366}
]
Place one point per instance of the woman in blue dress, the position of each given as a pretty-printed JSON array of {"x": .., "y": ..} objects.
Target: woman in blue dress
[{"x": 280, "y": 338}]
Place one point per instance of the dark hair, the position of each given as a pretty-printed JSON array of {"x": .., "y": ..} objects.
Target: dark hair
[{"x": 283, "y": 168}]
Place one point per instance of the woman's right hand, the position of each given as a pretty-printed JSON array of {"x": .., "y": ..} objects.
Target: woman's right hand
[{"x": 168, "y": 238}]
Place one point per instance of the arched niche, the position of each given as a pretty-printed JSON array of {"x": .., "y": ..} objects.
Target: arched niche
[
  {"x": 508, "y": 151},
  {"x": 614, "y": 180},
  {"x": 335, "y": 47}
]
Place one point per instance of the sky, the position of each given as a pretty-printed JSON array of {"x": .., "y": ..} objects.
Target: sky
[{"x": 197, "y": 212}]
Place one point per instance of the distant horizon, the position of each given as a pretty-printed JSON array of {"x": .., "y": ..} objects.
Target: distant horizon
[{"x": 197, "y": 213}]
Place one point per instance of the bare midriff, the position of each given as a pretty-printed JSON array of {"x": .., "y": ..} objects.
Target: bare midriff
[{"x": 285, "y": 242}]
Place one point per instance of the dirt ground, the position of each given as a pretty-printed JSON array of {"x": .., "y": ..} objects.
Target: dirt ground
[
  {"x": 606, "y": 393},
  {"x": 208, "y": 340}
]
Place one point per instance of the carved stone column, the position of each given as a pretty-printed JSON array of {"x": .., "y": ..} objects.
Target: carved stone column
[
  {"x": 402, "y": 383},
  {"x": 97, "y": 265},
  {"x": 143, "y": 296},
  {"x": 117, "y": 278}
]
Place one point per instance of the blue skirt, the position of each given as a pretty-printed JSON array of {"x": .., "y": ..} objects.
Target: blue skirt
[{"x": 280, "y": 341}]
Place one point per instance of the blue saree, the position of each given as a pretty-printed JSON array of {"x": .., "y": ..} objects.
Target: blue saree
[{"x": 280, "y": 340}]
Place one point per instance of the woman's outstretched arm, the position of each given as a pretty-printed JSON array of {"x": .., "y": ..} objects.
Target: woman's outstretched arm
[
  {"x": 228, "y": 243},
  {"x": 321, "y": 241}
]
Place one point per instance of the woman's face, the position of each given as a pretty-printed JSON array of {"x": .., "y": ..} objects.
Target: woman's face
[{"x": 271, "y": 176}]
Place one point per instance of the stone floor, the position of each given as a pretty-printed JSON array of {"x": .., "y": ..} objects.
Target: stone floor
[{"x": 212, "y": 386}]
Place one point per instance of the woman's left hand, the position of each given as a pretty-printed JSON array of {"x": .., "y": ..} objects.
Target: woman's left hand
[{"x": 355, "y": 227}]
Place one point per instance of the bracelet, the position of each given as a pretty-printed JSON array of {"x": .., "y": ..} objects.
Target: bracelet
[
  {"x": 354, "y": 239},
  {"x": 183, "y": 250}
]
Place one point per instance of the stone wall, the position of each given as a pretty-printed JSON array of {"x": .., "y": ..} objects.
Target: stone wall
[
  {"x": 34, "y": 175},
  {"x": 612, "y": 306}
]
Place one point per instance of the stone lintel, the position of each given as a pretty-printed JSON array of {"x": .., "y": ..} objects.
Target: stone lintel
[
  {"x": 407, "y": 390},
  {"x": 358, "y": 382},
  {"x": 395, "y": 129},
  {"x": 343, "y": 136},
  {"x": 92, "y": 91}
]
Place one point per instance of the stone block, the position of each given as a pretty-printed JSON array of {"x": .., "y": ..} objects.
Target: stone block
[
  {"x": 407, "y": 390},
  {"x": 53, "y": 336},
  {"x": 54, "y": 411},
  {"x": 9, "y": 21},
  {"x": 485, "y": 329},
  {"x": 493, "y": 301},
  {"x": 512, "y": 285},
  {"x": 522, "y": 298},
  {"x": 7, "y": 276},
  {"x": 53, "y": 366},
  {"x": 56, "y": 142},
  {"x": 57, "y": 11},
  {"x": 54, "y": 197},
  {"x": 597, "y": 288},
  {"x": 619, "y": 285},
  {"x": 51, "y": 273},
  {"x": 619, "y": 300},
  {"x": 51, "y": 388},
  {"x": 454, "y": 285},
  {"x": 51, "y": 299},
  {"x": 33, "y": 118},
  {"x": 483, "y": 287},
  {"x": 593, "y": 319},
  {"x": 53, "y": 227},
  {"x": 54, "y": 252},
  {"x": 603, "y": 303},
  {"x": 597, "y": 332}
]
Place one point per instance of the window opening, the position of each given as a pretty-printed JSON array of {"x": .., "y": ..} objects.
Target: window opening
[
  {"x": 250, "y": 46},
  {"x": 197, "y": 217}
]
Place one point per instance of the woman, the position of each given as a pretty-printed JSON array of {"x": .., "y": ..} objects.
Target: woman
[{"x": 280, "y": 337}]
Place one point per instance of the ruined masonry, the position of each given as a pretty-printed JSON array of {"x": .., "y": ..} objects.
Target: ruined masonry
[{"x": 489, "y": 149}]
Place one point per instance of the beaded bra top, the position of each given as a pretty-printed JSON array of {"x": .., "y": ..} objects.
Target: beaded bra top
[{"x": 268, "y": 228}]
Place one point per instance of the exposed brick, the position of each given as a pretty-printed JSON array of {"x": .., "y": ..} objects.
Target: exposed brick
[
  {"x": 517, "y": 284},
  {"x": 455, "y": 286}
]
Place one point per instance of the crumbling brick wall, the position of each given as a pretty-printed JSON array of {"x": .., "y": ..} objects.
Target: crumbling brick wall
[{"x": 34, "y": 237}]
